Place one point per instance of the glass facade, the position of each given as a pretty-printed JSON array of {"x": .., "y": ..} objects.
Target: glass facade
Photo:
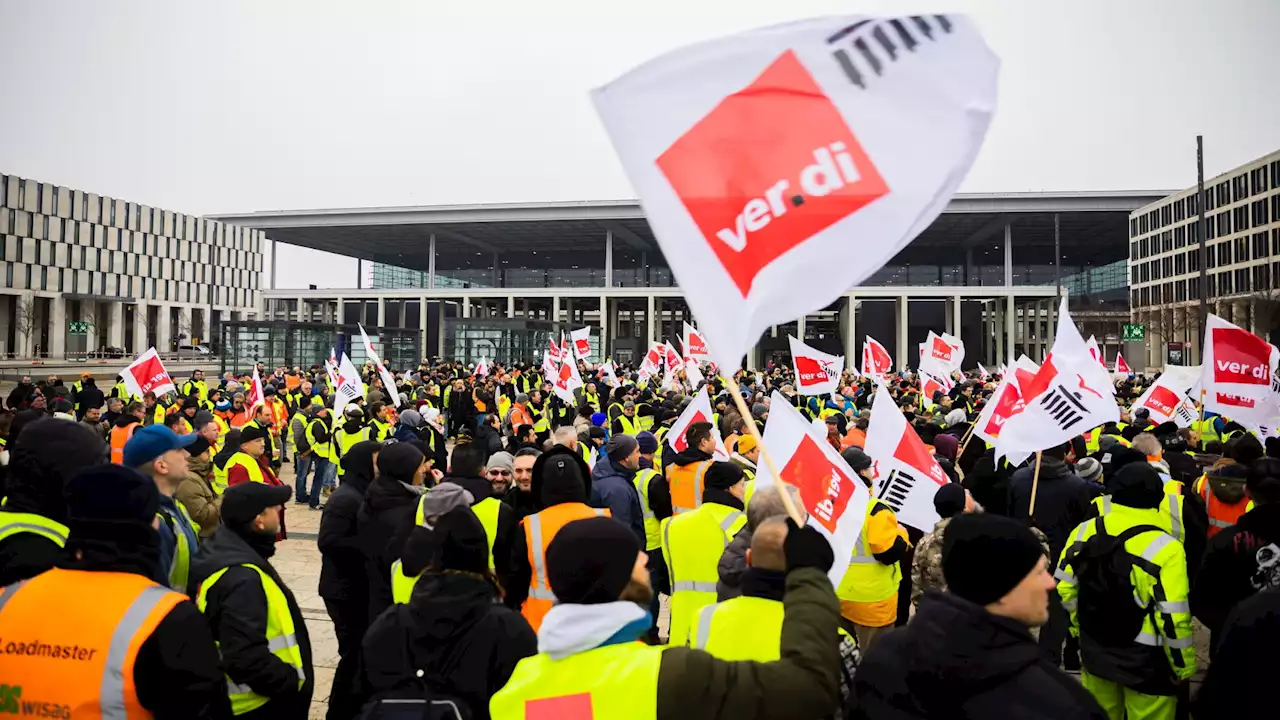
[
  {"x": 472, "y": 340},
  {"x": 277, "y": 343}
]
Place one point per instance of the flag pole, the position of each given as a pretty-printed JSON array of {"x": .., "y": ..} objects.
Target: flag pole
[
  {"x": 964, "y": 442},
  {"x": 1200, "y": 425},
  {"x": 1035, "y": 485},
  {"x": 749, "y": 421}
]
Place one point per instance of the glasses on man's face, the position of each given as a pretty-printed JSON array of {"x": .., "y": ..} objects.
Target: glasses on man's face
[{"x": 500, "y": 473}]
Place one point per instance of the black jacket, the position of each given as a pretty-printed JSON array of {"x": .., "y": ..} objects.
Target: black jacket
[
  {"x": 19, "y": 396},
  {"x": 1063, "y": 500},
  {"x": 1248, "y": 652},
  {"x": 520, "y": 501},
  {"x": 516, "y": 583},
  {"x": 1240, "y": 560},
  {"x": 342, "y": 570},
  {"x": 177, "y": 672},
  {"x": 88, "y": 397},
  {"x": 956, "y": 660},
  {"x": 488, "y": 439},
  {"x": 388, "y": 506},
  {"x": 237, "y": 613},
  {"x": 453, "y": 630},
  {"x": 988, "y": 482},
  {"x": 416, "y": 552}
]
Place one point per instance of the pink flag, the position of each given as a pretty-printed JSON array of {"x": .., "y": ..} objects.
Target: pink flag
[{"x": 1122, "y": 367}]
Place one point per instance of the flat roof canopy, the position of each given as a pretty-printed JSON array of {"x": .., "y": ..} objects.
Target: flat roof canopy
[{"x": 469, "y": 235}]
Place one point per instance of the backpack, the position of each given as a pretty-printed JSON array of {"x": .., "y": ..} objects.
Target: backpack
[
  {"x": 414, "y": 698},
  {"x": 1106, "y": 604}
]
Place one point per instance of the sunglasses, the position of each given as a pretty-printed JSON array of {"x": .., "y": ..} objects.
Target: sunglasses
[{"x": 500, "y": 472}]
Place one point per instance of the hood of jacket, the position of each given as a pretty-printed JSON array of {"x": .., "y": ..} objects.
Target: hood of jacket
[
  {"x": 557, "y": 489},
  {"x": 223, "y": 549},
  {"x": 386, "y": 493},
  {"x": 351, "y": 427},
  {"x": 357, "y": 465},
  {"x": 479, "y": 488},
  {"x": 124, "y": 420},
  {"x": 220, "y": 460},
  {"x": 1227, "y": 490},
  {"x": 690, "y": 455},
  {"x": 200, "y": 468},
  {"x": 446, "y": 606},
  {"x": 570, "y": 629}
]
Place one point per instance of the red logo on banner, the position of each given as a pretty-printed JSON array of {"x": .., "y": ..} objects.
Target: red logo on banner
[
  {"x": 679, "y": 443},
  {"x": 150, "y": 374},
  {"x": 696, "y": 345},
  {"x": 1007, "y": 405},
  {"x": 825, "y": 489},
  {"x": 1032, "y": 386},
  {"x": 911, "y": 451},
  {"x": 880, "y": 360},
  {"x": 810, "y": 371},
  {"x": 1163, "y": 400},
  {"x": 1235, "y": 400},
  {"x": 769, "y": 167},
  {"x": 941, "y": 350},
  {"x": 1240, "y": 357},
  {"x": 565, "y": 707}
]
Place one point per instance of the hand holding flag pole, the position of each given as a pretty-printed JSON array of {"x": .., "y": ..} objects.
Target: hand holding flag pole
[{"x": 745, "y": 411}]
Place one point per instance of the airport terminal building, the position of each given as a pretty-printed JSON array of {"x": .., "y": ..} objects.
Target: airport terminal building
[{"x": 494, "y": 281}]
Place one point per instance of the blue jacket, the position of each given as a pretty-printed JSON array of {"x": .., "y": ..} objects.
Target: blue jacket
[{"x": 612, "y": 487}]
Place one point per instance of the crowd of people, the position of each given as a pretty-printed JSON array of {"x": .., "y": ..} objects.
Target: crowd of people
[{"x": 491, "y": 548}]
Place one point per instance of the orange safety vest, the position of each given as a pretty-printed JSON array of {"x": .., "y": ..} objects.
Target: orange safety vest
[
  {"x": 237, "y": 420},
  {"x": 539, "y": 529},
  {"x": 279, "y": 414},
  {"x": 81, "y": 669},
  {"x": 1221, "y": 515},
  {"x": 119, "y": 438},
  {"x": 520, "y": 416},
  {"x": 686, "y": 486}
]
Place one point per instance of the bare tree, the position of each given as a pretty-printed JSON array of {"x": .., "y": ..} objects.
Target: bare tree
[
  {"x": 1264, "y": 306},
  {"x": 90, "y": 321},
  {"x": 25, "y": 319},
  {"x": 183, "y": 327}
]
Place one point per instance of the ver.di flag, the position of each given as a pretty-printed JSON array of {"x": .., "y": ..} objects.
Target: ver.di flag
[
  {"x": 817, "y": 373},
  {"x": 609, "y": 374},
  {"x": 781, "y": 166},
  {"x": 695, "y": 346},
  {"x": 1122, "y": 367},
  {"x": 256, "y": 395},
  {"x": 1005, "y": 402},
  {"x": 876, "y": 360},
  {"x": 347, "y": 388},
  {"x": 1237, "y": 374},
  {"x": 832, "y": 494},
  {"x": 699, "y": 410},
  {"x": 147, "y": 374},
  {"x": 1094, "y": 351},
  {"x": 567, "y": 380},
  {"x": 983, "y": 373},
  {"x": 904, "y": 473},
  {"x": 939, "y": 357},
  {"x": 388, "y": 381},
  {"x": 581, "y": 342},
  {"x": 1069, "y": 395},
  {"x": 1165, "y": 397}
]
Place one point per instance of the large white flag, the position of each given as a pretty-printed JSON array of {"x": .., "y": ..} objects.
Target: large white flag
[
  {"x": 938, "y": 357},
  {"x": 876, "y": 360},
  {"x": 699, "y": 410},
  {"x": 581, "y": 342},
  {"x": 817, "y": 373},
  {"x": 1164, "y": 399},
  {"x": 957, "y": 349},
  {"x": 1070, "y": 395},
  {"x": 567, "y": 380},
  {"x": 347, "y": 386},
  {"x": 609, "y": 374},
  {"x": 147, "y": 374},
  {"x": 388, "y": 382},
  {"x": 817, "y": 149},
  {"x": 905, "y": 474},
  {"x": 695, "y": 346},
  {"x": 834, "y": 498},
  {"x": 1237, "y": 374}
]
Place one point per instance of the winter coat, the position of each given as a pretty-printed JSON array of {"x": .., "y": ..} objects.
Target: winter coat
[
  {"x": 177, "y": 672},
  {"x": 237, "y": 613},
  {"x": 88, "y": 397},
  {"x": 342, "y": 564},
  {"x": 388, "y": 506},
  {"x": 454, "y": 632},
  {"x": 516, "y": 583},
  {"x": 733, "y": 563},
  {"x": 416, "y": 552},
  {"x": 197, "y": 496},
  {"x": 1241, "y": 561},
  {"x": 1235, "y": 686},
  {"x": 613, "y": 488},
  {"x": 956, "y": 660},
  {"x": 520, "y": 501},
  {"x": 489, "y": 440},
  {"x": 1063, "y": 500}
]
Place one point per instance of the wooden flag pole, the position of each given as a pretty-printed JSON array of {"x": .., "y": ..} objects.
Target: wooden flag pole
[
  {"x": 1035, "y": 485},
  {"x": 750, "y": 422},
  {"x": 1200, "y": 425},
  {"x": 964, "y": 441}
]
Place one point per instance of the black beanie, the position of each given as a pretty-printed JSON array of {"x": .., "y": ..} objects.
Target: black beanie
[
  {"x": 984, "y": 556},
  {"x": 950, "y": 500},
  {"x": 590, "y": 561},
  {"x": 399, "y": 461},
  {"x": 463, "y": 544},
  {"x": 722, "y": 475},
  {"x": 1136, "y": 485}
]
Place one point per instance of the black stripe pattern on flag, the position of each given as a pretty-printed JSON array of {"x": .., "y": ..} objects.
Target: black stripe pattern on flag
[{"x": 876, "y": 44}]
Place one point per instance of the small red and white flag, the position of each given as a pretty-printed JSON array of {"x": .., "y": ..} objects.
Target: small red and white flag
[
  {"x": 875, "y": 358},
  {"x": 652, "y": 363},
  {"x": 817, "y": 373},
  {"x": 781, "y": 166},
  {"x": 482, "y": 368},
  {"x": 1094, "y": 351},
  {"x": 699, "y": 410},
  {"x": 1237, "y": 374},
  {"x": 832, "y": 494},
  {"x": 1122, "y": 367},
  {"x": 957, "y": 349},
  {"x": 1004, "y": 403},
  {"x": 256, "y": 396},
  {"x": 581, "y": 342},
  {"x": 930, "y": 385},
  {"x": 388, "y": 382},
  {"x": 347, "y": 388},
  {"x": 695, "y": 346},
  {"x": 147, "y": 374},
  {"x": 982, "y": 373},
  {"x": 567, "y": 380},
  {"x": 609, "y": 374},
  {"x": 672, "y": 358},
  {"x": 905, "y": 473},
  {"x": 937, "y": 356}
]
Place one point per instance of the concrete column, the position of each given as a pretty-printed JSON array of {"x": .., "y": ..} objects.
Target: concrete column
[
  {"x": 555, "y": 309},
  {"x": 511, "y": 306},
  {"x": 997, "y": 322},
  {"x": 115, "y": 324},
  {"x": 570, "y": 320},
  {"x": 206, "y": 324},
  {"x": 58, "y": 329},
  {"x": 850, "y": 333},
  {"x": 649, "y": 321},
  {"x": 302, "y": 308},
  {"x": 800, "y": 326},
  {"x": 466, "y": 307},
  {"x": 382, "y": 312},
  {"x": 1010, "y": 324},
  {"x": 955, "y": 315},
  {"x": 608, "y": 258},
  {"x": 140, "y": 328},
  {"x": 605, "y": 328},
  {"x": 900, "y": 347},
  {"x": 431, "y": 261},
  {"x": 340, "y": 311},
  {"x": 1053, "y": 322},
  {"x": 164, "y": 330},
  {"x": 422, "y": 326},
  {"x": 1008, "y": 256}
]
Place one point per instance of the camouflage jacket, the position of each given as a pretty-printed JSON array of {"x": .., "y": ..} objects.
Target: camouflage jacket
[{"x": 926, "y": 570}]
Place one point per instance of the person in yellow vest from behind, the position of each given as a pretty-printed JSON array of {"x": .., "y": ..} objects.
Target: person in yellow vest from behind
[
  {"x": 645, "y": 480},
  {"x": 261, "y": 635},
  {"x": 749, "y": 627},
  {"x": 33, "y": 516},
  {"x": 561, "y": 487},
  {"x": 351, "y": 431},
  {"x": 868, "y": 591},
  {"x": 590, "y": 665},
  {"x": 162, "y": 456},
  {"x": 693, "y": 542},
  {"x": 103, "y": 639}
]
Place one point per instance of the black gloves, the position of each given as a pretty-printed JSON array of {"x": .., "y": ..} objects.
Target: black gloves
[{"x": 805, "y": 547}]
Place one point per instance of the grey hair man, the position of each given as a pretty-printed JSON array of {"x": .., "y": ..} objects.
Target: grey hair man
[{"x": 765, "y": 504}]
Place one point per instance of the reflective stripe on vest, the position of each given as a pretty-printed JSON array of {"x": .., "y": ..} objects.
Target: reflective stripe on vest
[
  {"x": 119, "y": 438},
  {"x": 692, "y": 555},
  {"x": 12, "y": 523},
  {"x": 179, "y": 570},
  {"x": 540, "y": 529},
  {"x": 686, "y": 484},
  {"x": 1222, "y": 515},
  {"x": 344, "y": 441},
  {"x": 281, "y": 637},
  {"x": 867, "y": 579},
  {"x": 652, "y": 528},
  {"x": 104, "y": 638},
  {"x": 246, "y": 461}
]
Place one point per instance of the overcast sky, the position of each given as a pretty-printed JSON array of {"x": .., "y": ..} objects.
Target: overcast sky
[{"x": 219, "y": 107}]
